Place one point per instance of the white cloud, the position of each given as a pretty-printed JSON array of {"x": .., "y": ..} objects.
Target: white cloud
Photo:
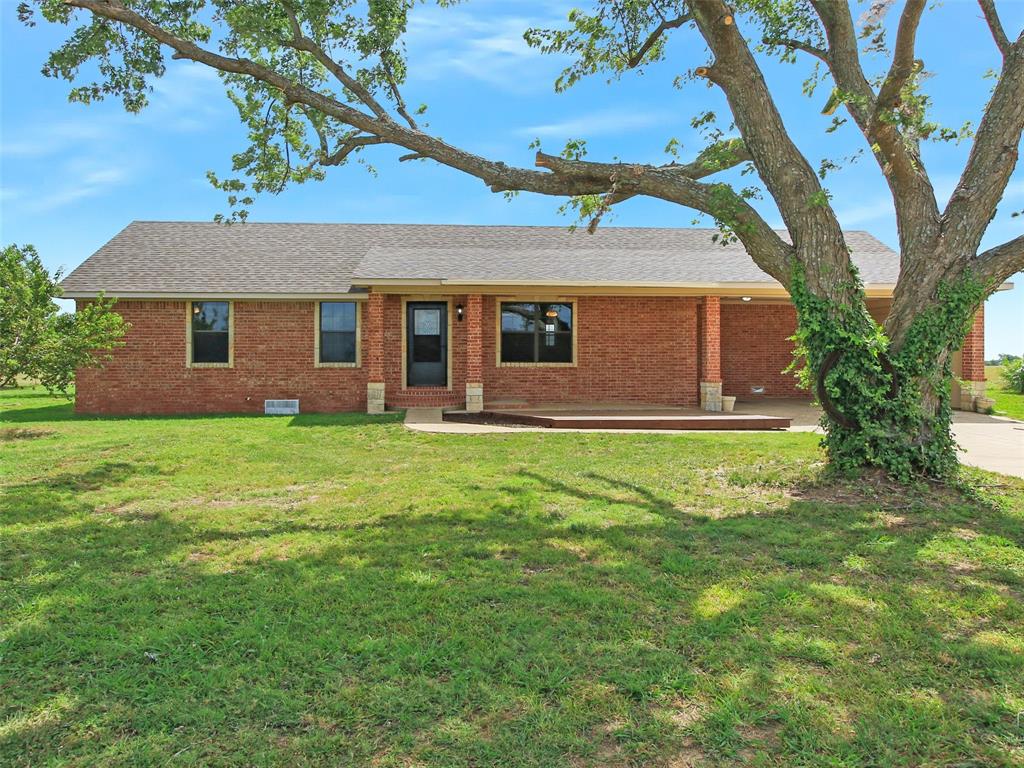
[
  {"x": 53, "y": 137},
  {"x": 81, "y": 179},
  {"x": 444, "y": 42},
  {"x": 184, "y": 100},
  {"x": 595, "y": 123}
]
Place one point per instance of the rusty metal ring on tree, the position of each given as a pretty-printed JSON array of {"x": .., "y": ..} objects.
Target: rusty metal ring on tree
[{"x": 829, "y": 407}]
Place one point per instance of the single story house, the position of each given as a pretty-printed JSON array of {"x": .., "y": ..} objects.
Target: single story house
[{"x": 347, "y": 317}]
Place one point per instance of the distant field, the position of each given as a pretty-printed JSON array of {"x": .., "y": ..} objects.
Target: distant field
[{"x": 1007, "y": 403}]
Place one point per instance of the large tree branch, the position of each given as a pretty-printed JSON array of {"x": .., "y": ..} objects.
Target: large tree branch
[
  {"x": 988, "y": 8},
  {"x": 790, "y": 179},
  {"x": 917, "y": 213},
  {"x": 903, "y": 63},
  {"x": 302, "y": 43},
  {"x": 673, "y": 182},
  {"x": 992, "y": 159},
  {"x": 678, "y": 184},
  {"x": 997, "y": 264}
]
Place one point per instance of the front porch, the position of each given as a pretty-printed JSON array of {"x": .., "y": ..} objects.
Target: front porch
[{"x": 489, "y": 352}]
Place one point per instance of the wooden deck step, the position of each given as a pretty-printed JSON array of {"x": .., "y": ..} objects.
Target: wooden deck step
[{"x": 624, "y": 420}]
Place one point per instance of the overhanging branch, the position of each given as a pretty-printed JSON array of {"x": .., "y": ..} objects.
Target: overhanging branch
[{"x": 673, "y": 182}]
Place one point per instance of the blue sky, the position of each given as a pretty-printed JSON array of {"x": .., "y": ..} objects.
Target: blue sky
[{"x": 72, "y": 176}]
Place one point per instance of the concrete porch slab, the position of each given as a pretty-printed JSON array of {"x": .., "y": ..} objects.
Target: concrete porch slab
[{"x": 619, "y": 418}]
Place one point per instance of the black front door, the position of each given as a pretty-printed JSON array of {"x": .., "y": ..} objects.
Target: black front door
[{"x": 426, "y": 329}]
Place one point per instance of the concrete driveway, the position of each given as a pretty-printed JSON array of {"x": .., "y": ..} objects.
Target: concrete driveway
[
  {"x": 990, "y": 442},
  {"x": 994, "y": 443}
]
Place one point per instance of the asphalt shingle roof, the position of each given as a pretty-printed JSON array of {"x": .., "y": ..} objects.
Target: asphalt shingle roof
[{"x": 200, "y": 258}]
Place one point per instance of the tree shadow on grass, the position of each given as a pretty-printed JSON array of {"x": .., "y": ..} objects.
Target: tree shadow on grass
[
  {"x": 57, "y": 496},
  {"x": 466, "y": 634}
]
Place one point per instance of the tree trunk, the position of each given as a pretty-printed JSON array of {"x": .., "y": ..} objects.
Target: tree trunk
[{"x": 885, "y": 392}]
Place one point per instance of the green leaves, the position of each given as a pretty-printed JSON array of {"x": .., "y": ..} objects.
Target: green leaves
[
  {"x": 908, "y": 435},
  {"x": 615, "y": 36},
  {"x": 36, "y": 341}
]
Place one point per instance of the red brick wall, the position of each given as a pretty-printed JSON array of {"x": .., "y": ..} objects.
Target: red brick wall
[
  {"x": 273, "y": 358},
  {"x": 710, "y": 339},
  {"x": 756, "y": 349},
  {"x": 629, "y": 349},
  {"x": 972, "y": 353},
  {"x": 474, "y": 339}
]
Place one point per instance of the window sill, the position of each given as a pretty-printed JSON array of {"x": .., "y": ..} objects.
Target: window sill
[
  {"x": 537, "y": 365},
  {"x": 211, "y": 365},
  {"x": 337, "y": 365}
]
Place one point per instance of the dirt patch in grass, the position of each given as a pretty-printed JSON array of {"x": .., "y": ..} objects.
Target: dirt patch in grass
[
  {"x": 878, "y": 490},
  {"x": 761, "y": 738},
  {"x": 23, "y": 433}
]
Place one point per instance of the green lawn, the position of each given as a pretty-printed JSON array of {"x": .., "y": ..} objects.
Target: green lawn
[
  {"x": 1007, "y": 403},
  {"x": 336, "y": 591}
]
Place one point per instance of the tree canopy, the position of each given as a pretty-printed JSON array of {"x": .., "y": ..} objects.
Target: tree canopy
[
  {"x": 319, "y": 82},
  {"x": 37, "y": 341}
]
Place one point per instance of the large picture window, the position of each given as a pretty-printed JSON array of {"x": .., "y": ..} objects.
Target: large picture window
[
  {"x": 211, "y": 333},
  {"x": 536, "y": 332},
  {"x": 338, "y": 328}
]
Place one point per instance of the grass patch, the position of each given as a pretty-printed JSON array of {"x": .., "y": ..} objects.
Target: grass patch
[
  {"x": 1008, "y": 403},
  {"x": 337, "y": 590}
]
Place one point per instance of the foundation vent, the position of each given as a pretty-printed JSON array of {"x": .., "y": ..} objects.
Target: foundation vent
[{"x": 280, "y": 407}]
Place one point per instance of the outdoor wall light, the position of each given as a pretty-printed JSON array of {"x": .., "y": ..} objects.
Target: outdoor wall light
[
  {"x": 744, "y": 298},
  {"x": 459, "y": 312},
  {"x": 551, "y": 313}
]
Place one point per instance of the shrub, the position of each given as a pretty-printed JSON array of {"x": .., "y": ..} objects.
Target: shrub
[{"x": 1013, "y": 375}]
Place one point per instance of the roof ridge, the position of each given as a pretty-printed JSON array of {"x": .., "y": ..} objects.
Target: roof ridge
[{"x": 450, "y": 224}]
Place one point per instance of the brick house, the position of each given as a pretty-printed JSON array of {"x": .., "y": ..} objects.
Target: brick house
[{"x": 347, "y": 317}]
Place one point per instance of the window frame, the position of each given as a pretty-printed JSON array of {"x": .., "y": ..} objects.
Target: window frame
[
  {"x": 573, "y": 304},
  {"x": 357, "y": 363},
  {"x": 189, "y": 362}
]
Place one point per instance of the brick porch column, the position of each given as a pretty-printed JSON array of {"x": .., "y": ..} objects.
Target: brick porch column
[
  {"x": 711, "y": 354},
  {"x": 972, "y": 363},
  {"x": 475, "y": 352},
  {"x": 374, "y": 353}
]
